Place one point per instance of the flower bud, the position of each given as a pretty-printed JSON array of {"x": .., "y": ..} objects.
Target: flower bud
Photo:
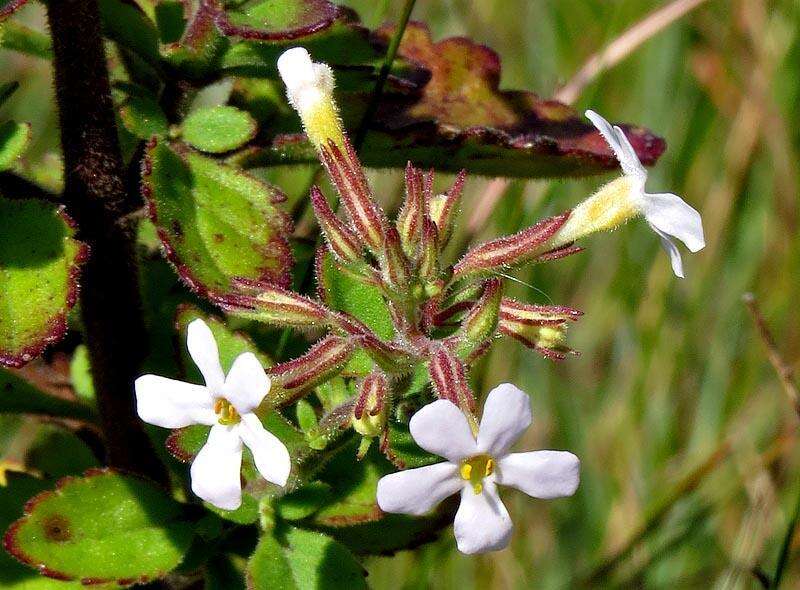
[
  {"x": 342, "y": 241},
  {"x": 481, "y": 322},
  {"x": 309, "y": 88},
  {"x": 394, "y": 266},
  {"x": 409, "y": 220},
  {"x": 371, "y": 407},
  {"x": 429, "y": 254},
  {"x": 274, "y": 305},
  {"x": 441, "y": 208},
  {"x": 449, "y": 378},
  {"x": 549, "y": 340}
]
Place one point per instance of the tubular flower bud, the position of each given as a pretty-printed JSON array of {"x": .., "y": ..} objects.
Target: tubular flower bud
[
  {"x": 549, "y": 340},
  {"x": 510, "y": 251},
  {"x": 449, "y": 378},
  {"x": 309, "y": 88},
  {"x": 293, "y": 378},
  {"x": 371, "y": 407},
  {"x": 429, "y": 254},
  {"x": 537, "y": 315},
  {"x": 624, "y": 198},
  {"x": 481, "y": 322},
  {"x": 276, "y": 306},
  {"x": 441, "y": 208},
  {"x": 394, "y": 266},
  {"x": 409, "y": 220},
  {"x": 342, "y": 241}
]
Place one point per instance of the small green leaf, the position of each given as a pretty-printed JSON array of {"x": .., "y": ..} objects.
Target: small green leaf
[
  {"x": 365, "y": 302},
  {"x": 142, "y": 116},
  {"x": 14, "y": 139},
  {"x": 304, "y": 502},
  {"x": 306, "y": 416},
  {"x": 218, "y": 129},
  {"x": 17, "y": 396},
  {"x": 57, "y": 452},
  {"x": 18, "y": 37},
  {"x": 303, "y": 560},
  {"x": 104, "y": 526},
  {"x": 7, "y": 89},
  {"x": 278, "y": 20},
  {"x": 216, "y": 223},
  {"x": 80, "y": 374},
  {"x": 9, "y": 7},
  {"x": 38, "y": 278}
]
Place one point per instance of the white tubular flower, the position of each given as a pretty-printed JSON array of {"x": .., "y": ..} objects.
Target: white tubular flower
[
  {"x": 224, "y": 403},
  {"x": 309, "y": 88},
  {"x": 668, "y": 214},
  {"x": 475, "y": 467}
]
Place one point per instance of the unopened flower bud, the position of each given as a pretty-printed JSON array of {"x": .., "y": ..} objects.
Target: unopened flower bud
[{"x": 371, "y": 408}]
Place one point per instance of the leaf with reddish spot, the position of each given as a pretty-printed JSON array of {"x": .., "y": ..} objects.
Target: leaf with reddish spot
[
  {"x": 102, "y": 527},
  {"x": 39, "y": 268},
  {"x": 216, "y": 223}
]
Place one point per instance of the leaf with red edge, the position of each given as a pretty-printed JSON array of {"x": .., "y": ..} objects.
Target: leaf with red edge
[
  {"x": 455, "y": 116},
  {"x": 278, "y": 20},
  {"x": 39, "y": 267},
  {"x": 216, "y": 223},
  {"x": 9, "y": 7}
]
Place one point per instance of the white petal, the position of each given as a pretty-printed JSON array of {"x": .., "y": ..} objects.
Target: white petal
[
  {"x": 173, "y": 404},
  {"x": 246, "y": 384},
  {"x": 418, "y": 491},
  {"x": 675, "y": 217},
  {"x": 619, "y": 144},
  {"x": 541, "y": 474},
  {"x": 270, "y": 454},
  {"x": 482, "y": 522},
  {"x": 674, "y": 254},
  {"x": 506, "y": 415},
  {"x": 306, "y": 81},
  {"x": 216, "y": 471},
  {"x": 203, "y": 350},
  {"x": 442, "y": 429}
]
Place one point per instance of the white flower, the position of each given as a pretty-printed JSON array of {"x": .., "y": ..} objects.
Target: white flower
[
  {"x": 667, "y": 214},
  {"x": 224, "y": 403},
  {"x": 476, "y": 467}
]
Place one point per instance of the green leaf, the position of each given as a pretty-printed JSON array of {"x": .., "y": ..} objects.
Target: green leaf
[
  {"x": 17, "y": 37},
  {"x": 13, "y": 575},
  {"x": 38, "y": 278},
  {"x": 57, "y": 452},
  {"x": 216, "y": 223},
  {"x": 104, "y": 526},
  {"x": 80, "y": 374},
  {"x": 128, "y": 26},
  {"x": 17, "y": 396},
  {"x": 406, "y": 450},
  {"x": 9, "y": 7},
  {"x": 199, "y": 48},
  {"x": 278, "y": 20},
  {"x": 343, "y": 292},
  {"x": 143, "y": 117},
  {"x": 303, "y": 560},
  {"x": 14, "y": 139},
  {"x": 7, "y": 89},
  {"x": 306, "y": 416},
  {"x": 218, "y": 129},
  {"x": 304, "y": 502}
]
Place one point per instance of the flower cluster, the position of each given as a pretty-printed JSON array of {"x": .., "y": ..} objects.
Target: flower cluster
[{"x": 444, "y": 317}]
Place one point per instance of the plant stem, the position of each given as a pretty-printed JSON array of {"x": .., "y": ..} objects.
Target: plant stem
[
  {"x": 786, "y": 547},
  {"x": 96, "y": 197}
]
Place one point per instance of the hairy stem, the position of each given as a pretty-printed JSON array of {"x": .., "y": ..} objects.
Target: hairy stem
[{"x": 96, "y": 197}]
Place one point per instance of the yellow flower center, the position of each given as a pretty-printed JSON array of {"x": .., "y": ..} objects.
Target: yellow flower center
[
  {"x": 228, "y": 416},
  {"x": 475, "y": 469}
]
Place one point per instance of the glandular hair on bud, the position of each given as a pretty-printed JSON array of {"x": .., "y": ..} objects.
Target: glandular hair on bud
[
  {"x": 309, "y": 88},
  {"x": 611, "y": 206}
]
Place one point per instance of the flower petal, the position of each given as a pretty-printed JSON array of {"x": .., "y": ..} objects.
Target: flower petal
[
  {"x": 442, "y": 429},
  {"x": 675, "y": 217},
  {"x": 482, "y": 522},
  {"x": 418, "y": 491},
  {"x": 674, "y": 254},
  {"x": 173, "y": 404},
  {"x": 203, "y": 350},
  {"x": 619, "y": 144},
  {"x": 270, "y": 454},
  {"x": 246, "y": 384},
  {"x": 506, "y": 415},
  {"x": 541, "y": 474},
  {"x": 216, "y": 471}
]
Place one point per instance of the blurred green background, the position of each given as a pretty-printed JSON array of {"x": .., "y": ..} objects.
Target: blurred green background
[{"x": 689, "y": 447}]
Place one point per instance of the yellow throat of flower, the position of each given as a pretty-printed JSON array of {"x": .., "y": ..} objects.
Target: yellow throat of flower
[
  {"x": 227, "y": 414},
  {"x": 475, "y": 469}
]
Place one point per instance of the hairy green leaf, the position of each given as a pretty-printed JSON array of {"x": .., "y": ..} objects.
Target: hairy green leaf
[
  {"x": 57, "y": 452},
  {"x": 218, "y": 129},
  {"x": 39, "y": 262},
  {"x": 296, "y": 559},
  {"x": 17, "y": 37},
  {"x": 17, "y": 396},
  {"x": 216, "y": 223},
  {"x": 101, "y": 527},
  {"x": 14, "y": 139},
  {"x": 143, "y": 117},
  {"x": 9, "y": 7}
]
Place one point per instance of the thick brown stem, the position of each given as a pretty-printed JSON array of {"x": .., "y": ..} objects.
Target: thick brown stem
[{"x": 96, "y": 196}]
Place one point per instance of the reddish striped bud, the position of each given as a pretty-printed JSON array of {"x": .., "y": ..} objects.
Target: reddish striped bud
[
  {"x": 549, "y": 340},
  {"x": 290, "y": 380},
  {"x": 481, "y": 323},
  {"x": 409, "y": 220},
  {"x": 394, "y": 265},
  {"x": 341, "y": 240},
  {"x": 442, "y": 208},
  {"x": 509, "y": 251},
  {"x": 372, "y": 405},
  {"x": 388, "y": 356},
  {"x": 429, "y": 253},
  {"x": 537, "y": 315},
  {"x": 273, "y": 305},
  {"x": 449, "y": 378},
  {"x": 350, "y": 181}
]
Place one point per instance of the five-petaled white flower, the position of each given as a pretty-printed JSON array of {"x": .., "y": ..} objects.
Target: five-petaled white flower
[
  {"x": 224, "y": 403},
  {"x": 667, "y": 214},
  {"x": 475, "y": 467}
]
